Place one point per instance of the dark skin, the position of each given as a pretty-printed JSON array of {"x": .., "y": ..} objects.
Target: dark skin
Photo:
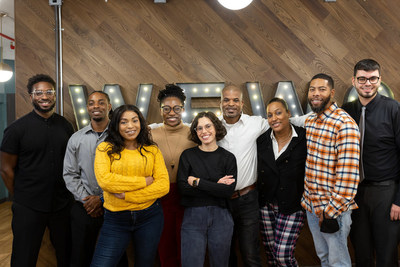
[
  {"x": 99, "y": 106},
  {"x": 8, "y": 162}
]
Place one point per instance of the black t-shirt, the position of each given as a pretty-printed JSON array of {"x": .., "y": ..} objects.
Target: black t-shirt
[
  {"x": 40, "y": 146},
  {"x": 209, "y": 167}
]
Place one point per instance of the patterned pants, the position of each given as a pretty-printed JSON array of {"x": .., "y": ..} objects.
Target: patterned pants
[{"x": 279, "y": 234}]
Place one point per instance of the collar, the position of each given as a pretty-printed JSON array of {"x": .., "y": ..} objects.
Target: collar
[
  {"x": 242, "y": 120},
  {"x": 42, "y": 118},
  {"x": 173, "y": 129},
  {"x": 327, "y": 112},
  {"x": 89, "y": 129},
  {"x": 371, "y": 105},
  {"x": 294, "y": 133}
]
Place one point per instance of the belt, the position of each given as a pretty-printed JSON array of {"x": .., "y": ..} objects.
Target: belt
[
  {"x": 243, "y": 191},
  {"x": 382, "y": 183}
]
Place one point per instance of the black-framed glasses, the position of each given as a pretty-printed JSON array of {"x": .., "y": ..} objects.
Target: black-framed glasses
[
  {"x": 363, "y": 80},
  {"x": 176, "y": 109},
  {"x": 199, "y": 129},
  {"x": 40, "y": 93}
]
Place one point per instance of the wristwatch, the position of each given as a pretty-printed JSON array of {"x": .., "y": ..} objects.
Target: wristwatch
[{"x": 195, "y": 182}]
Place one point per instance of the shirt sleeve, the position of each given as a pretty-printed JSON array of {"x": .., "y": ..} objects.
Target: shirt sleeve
[
  {"x": 10, "y": 142},
  {"x": 159, "y": 187},
  {"x": 184, "y": 170},
  {"x": 396, "y": 129},
  {"x": 110, "y": 181},
  {"x": 347, "y": 169},
  {"x": 72, "y": 172},
  {"x": 300, "y": 121}
]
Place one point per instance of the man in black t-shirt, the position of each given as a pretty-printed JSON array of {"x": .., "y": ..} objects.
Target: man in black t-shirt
[{"x": 32, "y": 153}]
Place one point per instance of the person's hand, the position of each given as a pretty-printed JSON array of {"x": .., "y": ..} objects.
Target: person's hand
[
  {"x": 92, "y": 203},
  {"x": 191, "y": 179},
  {"x": 395, "y": 213},
  {"x": 97, "y": 213},
  {"x": 119, "y": 195},
  {"x": 149, "y": 180},
  {"x": 227, "y": 179}
]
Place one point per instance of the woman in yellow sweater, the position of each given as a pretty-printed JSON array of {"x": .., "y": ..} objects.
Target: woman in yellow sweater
[{"x": 130, "y": 169}]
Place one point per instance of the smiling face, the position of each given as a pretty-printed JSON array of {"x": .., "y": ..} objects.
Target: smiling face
[
  {"x": 206, "y": 131},
  {"x": 45, "y": 102},
  {"x": 368, "y": 90},
  {"x": 231, "y": 104},
  {"x": 319, "y": 95},
  {"x": 129, "y": 127},
  {"x": 278, "y": 117},
  {"x": 172, "y": 118},
  {"x": 98, "y": 107}
]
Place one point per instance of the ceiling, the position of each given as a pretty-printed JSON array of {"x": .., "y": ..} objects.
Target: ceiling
[{"x": 7, "y": 6}]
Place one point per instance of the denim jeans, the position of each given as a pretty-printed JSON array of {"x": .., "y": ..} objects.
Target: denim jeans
[
  {"x": 143, "y": 226},
  {"x": 210, "y": 226},
  {"x": 331, "y": 248}
]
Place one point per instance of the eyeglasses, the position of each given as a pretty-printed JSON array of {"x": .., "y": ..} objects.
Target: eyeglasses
[
  {"x": 40, "y": 93},
  {"x": 199, "y": 129},
  {"x": 167, "y": 109},
  {"x": 372, "y": 80}
]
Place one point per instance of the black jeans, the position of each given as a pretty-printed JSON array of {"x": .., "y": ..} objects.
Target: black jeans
[
  {"x": 246, "y": 218},
  {"x": 372, "y": 230},
  {"x": 28, "y": 227}
]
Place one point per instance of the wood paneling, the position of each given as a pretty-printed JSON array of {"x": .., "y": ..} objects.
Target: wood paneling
[
  {"x": 129, "y": 42},
  {"x": 136, "y": 41}
]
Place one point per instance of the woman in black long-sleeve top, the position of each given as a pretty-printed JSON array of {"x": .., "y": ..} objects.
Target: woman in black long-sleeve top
[
  {"x": 282, "y": 154},
  {"x": 206, "y": 179}
]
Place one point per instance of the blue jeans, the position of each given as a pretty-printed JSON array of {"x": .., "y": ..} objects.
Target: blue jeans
[
  {"x": 331, "y": 248},
  {"x": 206, "y": 226},
  {"x": 143, "y": 226}
]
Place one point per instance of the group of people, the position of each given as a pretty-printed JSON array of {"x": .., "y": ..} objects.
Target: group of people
[{"x": 182, "y": 190}]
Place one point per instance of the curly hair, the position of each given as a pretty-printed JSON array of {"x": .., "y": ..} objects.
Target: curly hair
[
  {"x": 115, "y": 139},
  {"x": 37, "y": 79},
  {"x": 171, "y": 90},
  {"x": 220, "y": 130}
]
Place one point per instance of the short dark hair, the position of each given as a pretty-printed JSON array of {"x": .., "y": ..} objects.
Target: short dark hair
[
  {"x": 171, "y": 90},
  {"x": 367, "y": 65},
  {"x": 100, "y": 92},
  {"x": 326, "y": 77},
  {"x": 220, "y": 130},
  {"x": 279, "y": 100},
  {"x": 37, "y": 79}
]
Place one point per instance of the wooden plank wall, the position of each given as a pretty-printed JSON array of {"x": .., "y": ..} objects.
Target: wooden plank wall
[
  {"x": 131, "y": 42},
  {"x": 136, "y": 41}
]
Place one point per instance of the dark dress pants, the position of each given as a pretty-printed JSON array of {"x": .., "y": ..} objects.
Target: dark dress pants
[
  {"x": 372, "y": 230},
  {"x": 246, "y": 218},
  {"x": 28, "y": 227}
]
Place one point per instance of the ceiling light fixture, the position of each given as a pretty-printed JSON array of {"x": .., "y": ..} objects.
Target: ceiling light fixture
[
  {"x": 6, "y": 71},
  {"x": 235, "y": 4}
]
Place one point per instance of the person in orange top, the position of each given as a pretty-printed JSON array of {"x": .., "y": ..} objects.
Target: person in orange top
[
  {"x": 130, "y": 169},
  {"x": 172, "y": 138},
  {"x": 331, "y": 176}
]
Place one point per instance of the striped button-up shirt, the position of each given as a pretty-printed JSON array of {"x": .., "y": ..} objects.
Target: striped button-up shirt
[{"x": 332, "y": 165}]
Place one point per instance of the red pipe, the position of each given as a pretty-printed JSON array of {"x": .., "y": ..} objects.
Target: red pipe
[{"x": 7, "y": 37}]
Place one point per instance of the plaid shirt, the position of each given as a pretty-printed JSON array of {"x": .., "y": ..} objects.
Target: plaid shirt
[{"x": 333, "y": 150}]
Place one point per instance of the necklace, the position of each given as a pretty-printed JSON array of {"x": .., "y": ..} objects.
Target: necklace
[
  {"x": 286, "y": 139},
  {"x": 171, "y": 155}
]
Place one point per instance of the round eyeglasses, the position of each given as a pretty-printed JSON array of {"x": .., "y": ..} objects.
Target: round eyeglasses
[{"x": 176, "y": 109}]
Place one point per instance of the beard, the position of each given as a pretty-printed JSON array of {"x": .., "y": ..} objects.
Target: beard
[
  {"x": 321, "y": 107},
  {"x": 43, "y": 110}
]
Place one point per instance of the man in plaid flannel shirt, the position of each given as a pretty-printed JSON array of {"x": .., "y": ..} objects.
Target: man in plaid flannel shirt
[{"x": 332, "y": 172}]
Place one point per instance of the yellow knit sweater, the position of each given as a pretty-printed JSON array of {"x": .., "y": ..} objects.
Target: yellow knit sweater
[{"x": 127, "y": 175}]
